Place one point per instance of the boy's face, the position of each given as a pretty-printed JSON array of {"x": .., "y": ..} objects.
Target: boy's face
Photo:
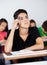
[
  {"x": 32, "y": 24},
  {"x": 23, "y": 20},
  {"x": 3, "y": 26}
]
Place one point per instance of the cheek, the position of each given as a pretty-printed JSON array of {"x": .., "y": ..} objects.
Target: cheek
[
  {"x": 21, "y": 23},
  {"x": 3, "y": 28}
]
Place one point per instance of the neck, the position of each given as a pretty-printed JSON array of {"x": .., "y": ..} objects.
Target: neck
[{"x": 23, "y": 31}]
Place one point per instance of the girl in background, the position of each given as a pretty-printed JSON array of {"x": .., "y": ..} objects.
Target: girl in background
[{"x": 3, "y": 31}]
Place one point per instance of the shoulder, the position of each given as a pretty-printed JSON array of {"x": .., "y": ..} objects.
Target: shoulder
[
  {"x": 33, "y": 29},
  {"x": 34, "y": 32},
  {"x": 40, "y": 28}
]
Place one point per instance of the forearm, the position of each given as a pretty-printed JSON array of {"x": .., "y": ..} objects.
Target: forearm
[
  {"x": 9, "y": 42},
  {"x": 39, "y": 45},
  {"x": 34, "y": 47}
]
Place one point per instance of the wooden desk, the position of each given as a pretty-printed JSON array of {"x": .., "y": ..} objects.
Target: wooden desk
[{"x": 28, "y": 55}]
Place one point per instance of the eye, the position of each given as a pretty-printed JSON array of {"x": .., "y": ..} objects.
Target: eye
[
  {"x": 26, "y": 17},
  {"x": 20, "y": 18}
]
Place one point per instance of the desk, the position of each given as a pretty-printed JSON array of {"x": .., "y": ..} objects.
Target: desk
[
  {"x": 32, "y": 63},
  {"x": 30, "y": 54}
]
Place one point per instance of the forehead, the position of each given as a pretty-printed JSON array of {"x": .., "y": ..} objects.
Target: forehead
[
  {"x": 3, "y": 23},
  {"x": 22, "y": 14}
]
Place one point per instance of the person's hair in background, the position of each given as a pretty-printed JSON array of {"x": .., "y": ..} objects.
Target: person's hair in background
[
  {"x": 32, "y": 23},
  {"x": 5, "y": 21},
  {"x": 44, "y": 26},
  {"x": 18, "y": 12}
]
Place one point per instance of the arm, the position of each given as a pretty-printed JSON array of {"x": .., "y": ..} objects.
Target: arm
[
  {"x": 44, "y": 38},
  {"x": 39, "y": 45},
  {"x": 39, "y": 42},
  {"x": 9, "y": 42}
]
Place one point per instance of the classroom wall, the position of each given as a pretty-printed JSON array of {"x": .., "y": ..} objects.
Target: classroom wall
[{"x": 37, "y": 9}]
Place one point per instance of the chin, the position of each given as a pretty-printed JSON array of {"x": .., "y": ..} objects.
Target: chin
[{"x": 26, "y": 27}]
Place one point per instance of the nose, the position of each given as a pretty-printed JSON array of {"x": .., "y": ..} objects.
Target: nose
[{"x": 25, "y": 20}]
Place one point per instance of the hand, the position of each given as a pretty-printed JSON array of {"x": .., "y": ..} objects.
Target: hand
[
  {"x": 44, "y": 38},
  {"x": 15, "y": 24}
]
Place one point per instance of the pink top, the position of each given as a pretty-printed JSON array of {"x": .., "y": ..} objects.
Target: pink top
[{"x": 3, "y": 35}]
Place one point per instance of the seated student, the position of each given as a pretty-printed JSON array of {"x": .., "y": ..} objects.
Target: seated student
[
  {"x": 32, "y": 23},
  {"x": 23, "y": 38},
  {"x": 43, "y": 32},
  {"x": 3, "y": 31}
]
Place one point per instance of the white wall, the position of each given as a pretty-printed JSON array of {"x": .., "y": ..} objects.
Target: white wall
[{"x": 37, "y": 9}]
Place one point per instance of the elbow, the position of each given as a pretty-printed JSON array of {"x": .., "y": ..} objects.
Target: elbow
[
  {"x": 42, "y": 46},
  {"x": 40, "y": 43}
]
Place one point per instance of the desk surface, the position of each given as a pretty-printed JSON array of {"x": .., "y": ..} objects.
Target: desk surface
[
  {"x": 32, "y": 63},
  {"x": 25, "y": 54}
]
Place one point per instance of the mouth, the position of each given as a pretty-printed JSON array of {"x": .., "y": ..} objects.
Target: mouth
[{"x": 26, "y": 23}]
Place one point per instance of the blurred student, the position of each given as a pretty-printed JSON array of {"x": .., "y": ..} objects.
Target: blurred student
[
  {"x": 43, "y": 32},
  {"x": 23, "y": 38},
  {"x": 3, "y": 31},
  {"x": 32, "y": 23}
]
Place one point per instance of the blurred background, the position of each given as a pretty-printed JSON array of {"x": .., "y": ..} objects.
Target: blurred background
[{"x": 37, "y": 9}]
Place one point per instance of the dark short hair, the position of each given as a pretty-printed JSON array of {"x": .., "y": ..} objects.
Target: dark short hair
[
  {"x": 18, "y": 12},
  {"x": 44, "y": 25},
  {"x": 32, "y": 21},
  {"x": 4, "y": 20}
]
